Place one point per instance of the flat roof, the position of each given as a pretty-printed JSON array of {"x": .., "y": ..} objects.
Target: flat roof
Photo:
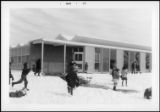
[{"x": 94, "y": 43}]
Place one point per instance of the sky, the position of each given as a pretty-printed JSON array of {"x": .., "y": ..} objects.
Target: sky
[{"x": 128, "y": 25}]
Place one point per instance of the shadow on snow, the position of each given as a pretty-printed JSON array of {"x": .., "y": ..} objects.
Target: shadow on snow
[
  {"x": 106, "y": 88},
  {"x": 96, "y": 86},
  {"x": 127, "y": 91}
]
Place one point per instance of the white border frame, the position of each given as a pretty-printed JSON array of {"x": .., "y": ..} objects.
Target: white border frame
[{"x": 5, "y": 53}]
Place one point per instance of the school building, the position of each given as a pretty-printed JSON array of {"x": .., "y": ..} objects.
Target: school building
[{"x": 57, "y": 53}]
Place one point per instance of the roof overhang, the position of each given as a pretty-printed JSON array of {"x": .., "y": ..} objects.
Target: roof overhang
[{"x": 70, "y": 43}]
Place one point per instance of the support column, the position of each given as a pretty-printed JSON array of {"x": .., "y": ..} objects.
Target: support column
[
  {"x": 64, "y": 58},
  {"x": 150, "y": 68},
  {"x": 109, "y": 60},
  {"x": 90, "y": 58},
  {"x": 142, "y": 62},
  {"x": 42, "y": 57},
  {"x": 120, "y": 59}
]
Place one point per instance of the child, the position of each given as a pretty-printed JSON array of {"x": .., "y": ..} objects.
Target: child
[
  {"x": 25, "y": 72},
  {"x": 124, "y": 75},
  {"x": 10, "y": 74},
  {"x": 38, "y": 67},
  {"x": 86, "y": 67},
  {"x": 72, "y": 78},
  {"x": 115, "y": 76}
]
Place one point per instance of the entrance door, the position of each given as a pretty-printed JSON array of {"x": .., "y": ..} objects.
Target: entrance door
[{"x": 78, "y": 58}]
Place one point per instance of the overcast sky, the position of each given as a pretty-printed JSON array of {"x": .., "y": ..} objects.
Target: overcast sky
[{"x": 129, "y": 25}]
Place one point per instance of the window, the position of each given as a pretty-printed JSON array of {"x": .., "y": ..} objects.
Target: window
[
  {"x": 97, "y": 66},
  {"x": 137, "y": 57},
  {"x": 15, "y": 59},
  {"x": 113, "y": 54},
  {"x": 80, "y": 49},
  {"x": 19, "y": 59},
  {"x": 78, "y": 57},
  {"x": 97, "y": 59},
  {"x": 105, "y": 60},
  {"x": 112, "y": 63},
  {"x": 23, "y": 59},
  {"x": 75, "y": 49},
  {"x": 78, "y": 54},
  {"x": 12, "y": 59},
  {"x": 147, "y": 61},
  {"x": 126, "y": 58},
  {"x": 27, "y": 58}
]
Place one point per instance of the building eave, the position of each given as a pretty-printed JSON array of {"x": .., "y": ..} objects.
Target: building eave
[{"x": 61, "y": 42}]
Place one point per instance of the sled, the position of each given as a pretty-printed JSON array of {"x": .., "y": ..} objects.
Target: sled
[
  {"x": 18, "y": 93},
  {"x": 148, "y": 93}
]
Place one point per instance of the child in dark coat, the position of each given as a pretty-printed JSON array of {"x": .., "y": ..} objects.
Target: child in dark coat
[
  {"x": 25, "y": 72},
  {"x": 72, "y": 78},
  {"x": 115, "y": 76},
  {"x": 38, "y": 67}
]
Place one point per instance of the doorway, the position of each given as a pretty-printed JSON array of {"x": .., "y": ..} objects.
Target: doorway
[{"x": 78, "y": 58}]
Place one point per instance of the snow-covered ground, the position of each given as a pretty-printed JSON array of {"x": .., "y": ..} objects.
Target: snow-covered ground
[{"x": 53, "y": 90}]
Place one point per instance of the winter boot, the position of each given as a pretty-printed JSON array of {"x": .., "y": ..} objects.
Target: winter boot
[
  {"x": 114, "y": 87},
  {"x": 71, "y": 91}
]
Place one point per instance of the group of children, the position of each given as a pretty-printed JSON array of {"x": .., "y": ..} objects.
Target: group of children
[
  {"x": 116, "y": 76},
  {"x": 73, "y": 81},
  {"x": 71, "y": 78}
]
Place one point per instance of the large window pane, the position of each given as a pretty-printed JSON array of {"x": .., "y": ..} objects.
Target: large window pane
[
  {"x": 80, "y": 49},
  {"x": 80, "y": 57},
  {"x": 97, "y": 50},
  {"x": 97, "y": 66},
  {"x": 126, "y": 59},
  {"x": 147, "y": 61},
  {"x": 97, "y": 59},
  {"x": 137, "y": 56},
  {"x": 75, "y": 49},
  {"x": 113, "y": 54},
  {"x": 76, "y": 57},
  {"x": 105, "y": 60}
]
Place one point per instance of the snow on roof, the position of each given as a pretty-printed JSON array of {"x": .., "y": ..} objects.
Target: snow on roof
[
  {"x": 74, "y": 43},
  {"x": 64, "y": 37},
  {"x": 88, "y": 40}
]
